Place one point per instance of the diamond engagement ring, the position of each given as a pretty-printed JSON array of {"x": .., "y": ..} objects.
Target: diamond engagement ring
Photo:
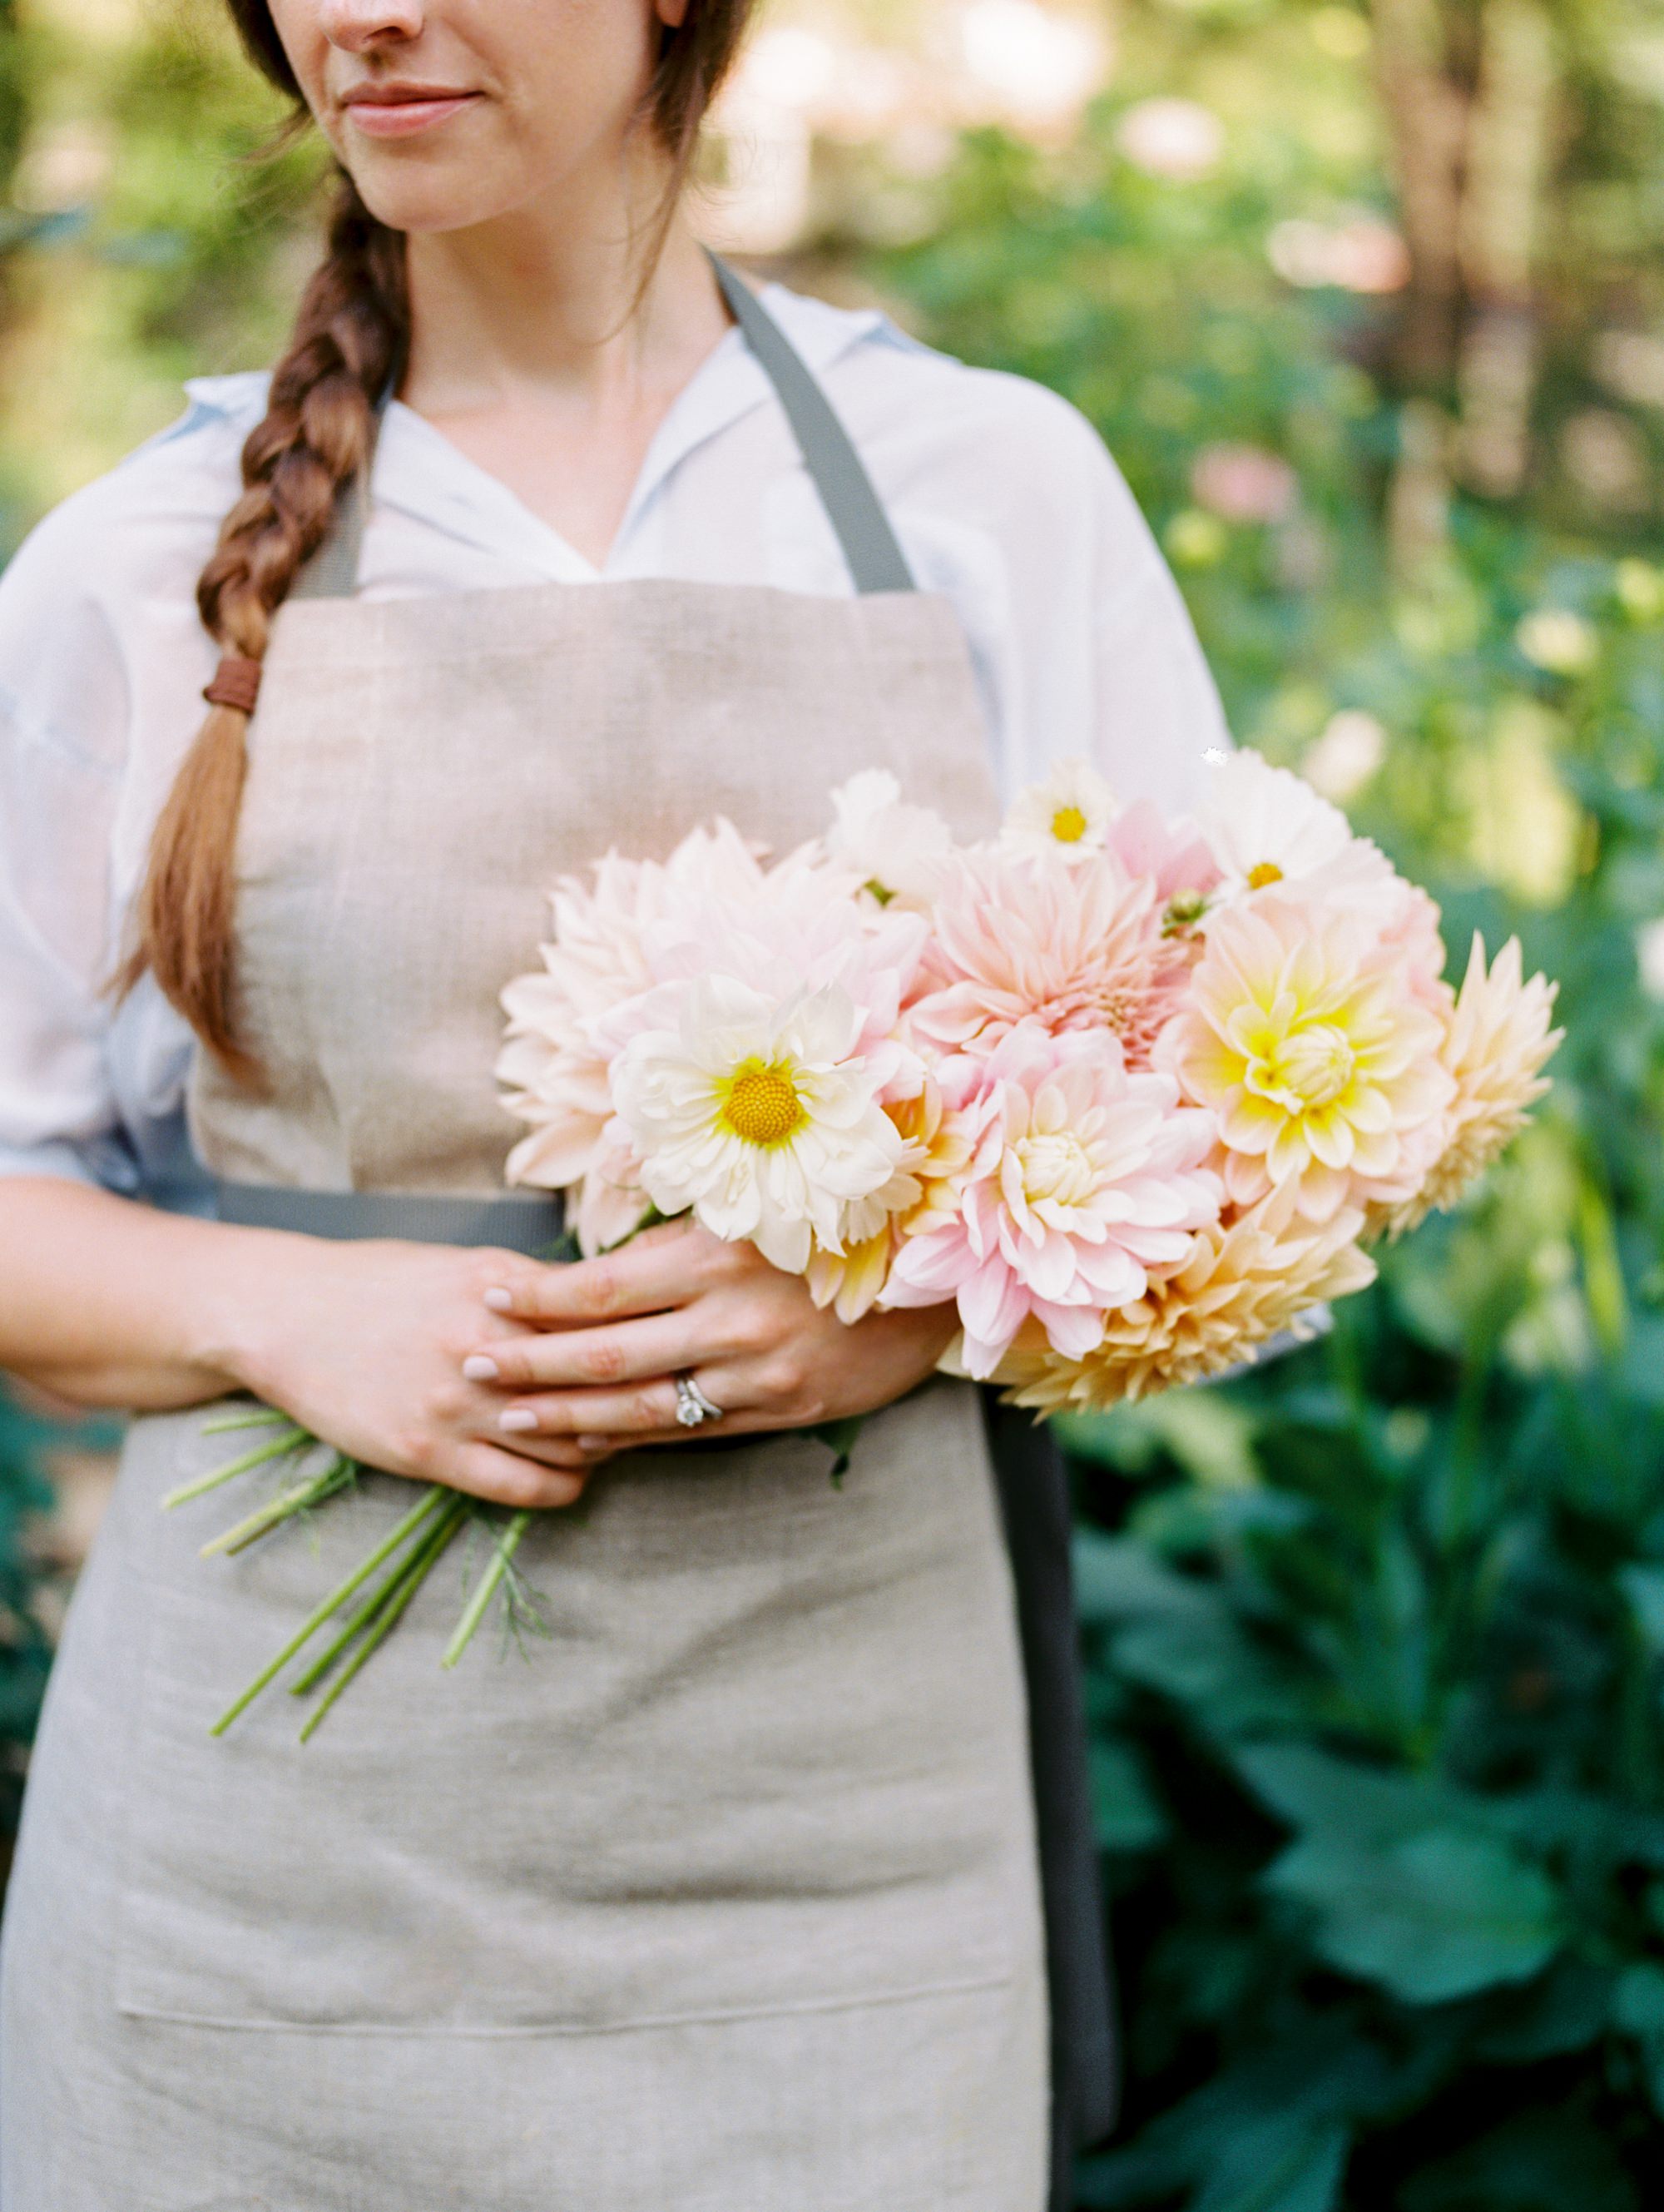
[{"x": 692, "y": 1405}]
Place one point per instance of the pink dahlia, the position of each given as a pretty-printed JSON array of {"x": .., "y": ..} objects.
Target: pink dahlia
[
  {"x": 1174, "y": 855},
  {"x": 1024, "y": 936},
  {"x": 1082, "y": 1180}
]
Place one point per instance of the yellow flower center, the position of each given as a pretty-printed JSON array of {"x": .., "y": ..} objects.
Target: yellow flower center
[
  {"x": 761, "y": 1106},
  {"x": 1068, "y": 825},
  {"x": 1055, "y": 1167},
  {"x": 1308, "y": 1070},
  {"x": 1263, "y": 872}
]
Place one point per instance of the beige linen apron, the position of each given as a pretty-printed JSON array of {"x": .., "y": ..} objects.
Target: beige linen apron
[{"x": 725, "y": 1899}]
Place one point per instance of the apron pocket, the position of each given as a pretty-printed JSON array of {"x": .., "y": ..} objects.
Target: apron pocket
[{"x": 772, "y": 1756}]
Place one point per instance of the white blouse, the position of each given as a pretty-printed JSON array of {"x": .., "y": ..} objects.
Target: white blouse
[{"x": 1003, "y": 496}]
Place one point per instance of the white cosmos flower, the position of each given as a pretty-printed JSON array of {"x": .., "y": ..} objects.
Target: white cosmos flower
[
  {"x": 1266, "y": 825},
  {"x": 1069, "y": 814},
  {"x": 898, "y": 850},
  {"x": 760, "y": 1116}
]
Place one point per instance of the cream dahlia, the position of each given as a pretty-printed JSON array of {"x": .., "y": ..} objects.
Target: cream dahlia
[
  {"x": 1068, "y": 815},
  {"x": 1081, "y": 1179},
  {"x": 761, "y": 1117},
  {"x": 1496, "y": 1043},
  {"x": 1023, "y": 937},
  {"x": 936, "y": 1147},
  {"x": 1244, "y": 1282},
  {"x": 895, "y": 849},
  {"x": 1301, "y": 1034}
]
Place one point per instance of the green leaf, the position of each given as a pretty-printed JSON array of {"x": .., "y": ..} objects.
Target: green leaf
[
  {"x": 1268, "y": 2133},
  {"x": 839, "y": 1437},
  {"x": 1367, "y": 1806},
  {"x": 1125, "y": 1815},
  {"x": 1643, "y": 1586},
  {"x": 1431, "y": 1917},
  {"x": 1276, "y": 2169},
  {"x": 1568, "y": 2010},
  {"x": 1638, "y": 2010},
  {"x": 1229, "y": 1685},
  {"x": 1556, "y": 2161},
  {"x": 1116, "y": 1581}
]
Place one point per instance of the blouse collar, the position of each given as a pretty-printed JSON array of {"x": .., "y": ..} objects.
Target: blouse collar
[{"x": 419, "y": 472}]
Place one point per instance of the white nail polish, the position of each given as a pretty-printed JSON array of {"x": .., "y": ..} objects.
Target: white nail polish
[
  {"x": 500, "y": 1301},
  {"x": 517, "y": 1421},
  {"x": 480, "y": 1369}
]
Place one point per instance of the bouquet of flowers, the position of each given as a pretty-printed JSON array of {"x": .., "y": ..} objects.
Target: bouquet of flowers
[{"x": 1134, "y": 1095}]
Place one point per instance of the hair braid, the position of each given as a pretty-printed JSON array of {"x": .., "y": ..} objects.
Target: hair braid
[{"x": 349, "y": 341}]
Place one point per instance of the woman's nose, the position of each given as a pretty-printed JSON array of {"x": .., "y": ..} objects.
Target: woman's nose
[{"x": 357, "y": 24}]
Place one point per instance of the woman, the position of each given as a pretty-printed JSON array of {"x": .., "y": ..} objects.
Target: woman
[{"x": 731, "y": 1897}]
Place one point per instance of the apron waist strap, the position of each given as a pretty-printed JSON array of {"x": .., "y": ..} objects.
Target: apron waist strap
[{"x": 528, "y": 1222}]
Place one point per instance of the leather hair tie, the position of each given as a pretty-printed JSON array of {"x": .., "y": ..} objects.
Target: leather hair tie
[{"x": 236, "y": 683}]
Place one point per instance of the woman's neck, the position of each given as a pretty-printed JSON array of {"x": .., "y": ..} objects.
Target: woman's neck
[
  {"x": 538, "y": 349},
  {"x": 561, "y": 298}
]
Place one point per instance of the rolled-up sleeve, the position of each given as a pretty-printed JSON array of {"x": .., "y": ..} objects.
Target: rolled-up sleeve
[{"x": 64, "y": 713}]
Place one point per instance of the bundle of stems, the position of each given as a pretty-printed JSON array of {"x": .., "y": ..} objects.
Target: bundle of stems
[{"x": 383, "y": 1583}]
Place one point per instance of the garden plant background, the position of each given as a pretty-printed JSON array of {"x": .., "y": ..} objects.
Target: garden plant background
[{"x": 1369, "y": 304}]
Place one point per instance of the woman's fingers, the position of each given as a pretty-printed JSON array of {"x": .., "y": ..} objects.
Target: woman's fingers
[
  {"x": 509, "y": 1478},
  {"x": 597, "y": 1358},
  {"x": 574, "y": 1413},
  {"x": 663, "y": 1267}
]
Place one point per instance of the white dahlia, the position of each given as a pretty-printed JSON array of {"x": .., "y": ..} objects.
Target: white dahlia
[{"x": 761, "y": 1117}]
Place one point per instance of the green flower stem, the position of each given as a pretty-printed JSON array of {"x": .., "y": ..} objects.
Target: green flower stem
[
  {"x": 283, "y": 1508},
  {"x": 390, "y": 1615},
  {"x": 261, "y": 1418},
  {"x": 425, "y": 1548},
  {"x": 427, "y": 1504},
  {"x": 506, "y": 1545},
  {"x": 279, "y": 1448}
]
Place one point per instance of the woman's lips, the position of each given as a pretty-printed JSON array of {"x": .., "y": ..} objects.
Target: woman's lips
[{"x": 405, "y": 115}]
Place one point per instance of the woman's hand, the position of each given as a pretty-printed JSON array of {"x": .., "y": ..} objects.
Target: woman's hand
[
  {"x": 608, "y": 1337},
  {"x": 363, "y": 1344}
]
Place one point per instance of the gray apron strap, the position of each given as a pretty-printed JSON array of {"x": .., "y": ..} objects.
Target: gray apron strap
[
  {"x": 870, "y": 546},
  {"x": 520, "y": 1221},
  {"x": 856, "y": 512},
  {"x": 333, "y": 571}
]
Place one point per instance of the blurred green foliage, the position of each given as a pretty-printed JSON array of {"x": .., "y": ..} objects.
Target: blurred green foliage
[
  {"x": 1376, "y": 1636},
  {"x": 161, "y": 226}
]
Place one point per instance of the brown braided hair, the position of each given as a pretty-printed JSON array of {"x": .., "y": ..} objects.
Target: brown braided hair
[{"x": 348, "y": 348}]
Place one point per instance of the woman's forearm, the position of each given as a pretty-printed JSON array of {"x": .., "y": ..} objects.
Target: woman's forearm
[{"x": 111, "y": 1303}]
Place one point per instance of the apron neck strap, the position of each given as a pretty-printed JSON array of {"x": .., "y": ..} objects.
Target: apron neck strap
[
  {"x": 875, "y": 558},
  {"x": 876, "y": 561}
]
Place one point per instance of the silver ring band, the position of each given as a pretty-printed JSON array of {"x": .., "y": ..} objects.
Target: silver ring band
[{"x": 692, "y": 1407}]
